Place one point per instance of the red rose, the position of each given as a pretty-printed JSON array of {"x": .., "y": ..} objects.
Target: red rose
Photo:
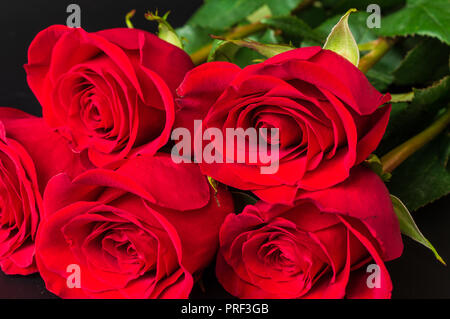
[
  {"x": 328, "y": 115},
  {"x": 109, "y": 92},
  {"x": 139, "y": 232},
  {"x": 30, "y": 154},
  {"x": 316, "y": 249}
]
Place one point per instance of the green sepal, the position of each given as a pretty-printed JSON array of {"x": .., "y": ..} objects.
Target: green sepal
[
  {"x": 165, "y": 30},
  {"x": 341, "y": 40},
  {"x": 409, "y": 228}
]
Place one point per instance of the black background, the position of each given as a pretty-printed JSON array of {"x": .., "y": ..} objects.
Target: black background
[{"x": 415, "y": 275}]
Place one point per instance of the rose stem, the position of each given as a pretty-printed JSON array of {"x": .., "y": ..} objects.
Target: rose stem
[
  {"x": 395, "y": 157},
  {"x": 381, "y": 47},
  {"x": 239, "y": 32},
  {"x": 201, "y": 54}
]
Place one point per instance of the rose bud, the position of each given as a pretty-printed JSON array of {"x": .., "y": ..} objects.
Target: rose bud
[
  {"x": 142, "y": 231},
  {"x": 332, "y": 244},
  {"x": 30, "y": 154},
  {"x": 328, "y": 115},
  {"x": 109, "y": 92}
]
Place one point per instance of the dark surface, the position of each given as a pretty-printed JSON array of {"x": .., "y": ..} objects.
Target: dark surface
[{"x": 415, "y": 275}]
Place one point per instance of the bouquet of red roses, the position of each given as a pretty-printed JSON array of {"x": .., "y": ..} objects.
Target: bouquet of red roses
[{"x": 159, "y": 155}]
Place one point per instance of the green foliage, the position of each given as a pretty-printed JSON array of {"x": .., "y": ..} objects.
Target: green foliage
[
  {"x": 344, "y": 5},
  {"x": 408, "y": 119},
  {"x": 295, "y": 29},
  {"x": 422, "y": 63},
  {"x": 409, "y": 228},
  {"x": 282, "y": 7},
  {"x": 266, "y": 50},
  {"x": 246, "y": 56},
  {"x": 439, "y": 91},
  {"x": 425, "y": 176},
  {"x": 194, "y": 37},
  {"x": 222, "y": 14},
  {"x": 421, "y": 17},
  {"x": 379, "y": 79},
  {"x": 314, "y": 16},
  {"x": 217, "y": 16},
  {"x": 223, "y": 51},
  {"x": 381, "y": 74},
  {"x": 246, "y": 52}
]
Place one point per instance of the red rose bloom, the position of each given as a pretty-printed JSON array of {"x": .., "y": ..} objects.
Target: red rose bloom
[
  {"x": 316, "y": 249},
  {"x": 109, "y": 92},
  {"x": 30, "y": 154},
  {"x": 328, "y": 115},
  {"x": 139, "y": 232}
]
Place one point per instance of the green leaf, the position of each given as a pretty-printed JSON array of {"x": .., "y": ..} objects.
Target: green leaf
[
  {"x": 242, "y": 55},
  {"x": 245, "y": 57},
  {"x": 444, "y": 154},
  {"x": 268, "y": 36},
  {"x": 282, "y": 7},
  {"x": 422, "y": 63},
  {"x": 423, "y": 17},
  {"x": 341, "y": 40},
  {"x": 295, "y": 29},
  {"x": 261, "y": 13},
  {"x": 409, "y": 228},
  {"x": 222, "y": 50},
  {"x": 222, "y": 14},
  {"x": 194, "y": 37},
  {"x": 266, "y": 50},
  {"x": 438, "y": 91},
  {"x": 380, "y": 75},
  {"x": 424, "y": 177},
  {"x": 314, "y": 16},
  {"x": 217, "y": 16},
  {"x": 380, "y": 80},
  {"x": 408, "y": 119},
  {"x": 343, "y": 5}
]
